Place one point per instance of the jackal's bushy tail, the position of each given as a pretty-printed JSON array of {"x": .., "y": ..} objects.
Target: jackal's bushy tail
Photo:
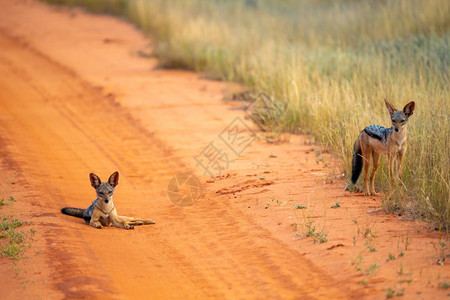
[
  {"x": 72, "y": 211},
  {"x": 357, "y": 162}
]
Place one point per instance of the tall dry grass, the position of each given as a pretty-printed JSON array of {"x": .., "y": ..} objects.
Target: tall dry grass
[{"x": 328, "y": 65}]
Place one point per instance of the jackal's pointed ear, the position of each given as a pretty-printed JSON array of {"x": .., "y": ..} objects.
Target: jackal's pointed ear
[
  {"x": 409, "y": 109},
  {"x": 114, "y": 179},
  {"x": 390, "y": 107},
  {"x": 95, "y": 180}
]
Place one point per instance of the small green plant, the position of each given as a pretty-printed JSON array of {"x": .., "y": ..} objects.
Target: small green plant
[
  {"x": 390, "y": 293},
  {"x": 310, "y": 229},
  {"x": 9, "y": 223},
  {"x": 370, "y": 246},
  {"x": 364, "y": 282},
  {"x": 402, "y": 272},
  {"x": 7, "y": 201},
  {"x": 400, "y": 292},
  {"x": 442, "y": 247},
  {"x": 336, "y": 205},
  {"x": 444, "y": 285},
  {"x": 407, "y": 241},
  {"x": 279, "y": 202},
  {"x": 390, "y": 257},
  {"x": 299, "y": 206},
  {"x": 357, "y": 262},
  {"x": 372, "y": 269},
  {"x": 321, "y": 237},
  {"x": 368, "y": 233},
  {"x": 317, "y": 236},
  {"x": 408, "y": 281}
]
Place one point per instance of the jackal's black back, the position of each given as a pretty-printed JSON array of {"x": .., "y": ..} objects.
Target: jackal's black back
[
  {"x": 357, "y": 162},
  {"x": 378, "y": 132}
]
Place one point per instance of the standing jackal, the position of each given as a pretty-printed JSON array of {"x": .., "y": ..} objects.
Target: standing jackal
[
  {"x": 102, "y": 211},
  {"x": 375, "y": 140}
]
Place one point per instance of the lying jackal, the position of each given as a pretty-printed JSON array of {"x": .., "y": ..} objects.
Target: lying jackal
[
  {"x": 102, "y": 211},
  {"x": 375, "y": 140}
]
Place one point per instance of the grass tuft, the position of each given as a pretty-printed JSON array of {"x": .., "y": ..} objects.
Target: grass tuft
[{"x": 13, "y": 240}]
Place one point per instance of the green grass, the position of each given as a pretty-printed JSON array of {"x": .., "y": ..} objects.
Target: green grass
[
  {"x": 13, "y": 240},
  {"x": 390, "y": 257},
  {"x": 391, "y": 292},
  {"x": 372, "y": 269},
  {"x": 317, "y": 236},
  {"x": 444, "y": 285},
  {"x": 7, "y": 201},
  {"x": 326, "y": 67}
]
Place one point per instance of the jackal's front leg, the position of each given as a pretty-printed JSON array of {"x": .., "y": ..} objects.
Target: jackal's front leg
[
  {"x": 400, "y": 156},
  {"x": 391, "y": 159},
  {"x": 95, "y": 220}
]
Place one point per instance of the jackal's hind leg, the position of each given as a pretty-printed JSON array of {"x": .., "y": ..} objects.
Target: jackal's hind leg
[
  {"x": 121, "y": 222},
  {"x": 376, "y": 160},
  {"x": 136, "y": 221},
  {"x": 366, "y": 166}
]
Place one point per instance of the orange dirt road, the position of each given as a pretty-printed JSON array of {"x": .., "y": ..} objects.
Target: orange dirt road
[{"x": 75, "y": 98}]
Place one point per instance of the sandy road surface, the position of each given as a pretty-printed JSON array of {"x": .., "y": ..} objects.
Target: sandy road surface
[{"x": 75, "y": 98}]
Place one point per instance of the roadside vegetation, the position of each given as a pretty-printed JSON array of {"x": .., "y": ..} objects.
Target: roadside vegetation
[
  {"x": 13, "y": 240},
  {"x": 326, "y": 67}
]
